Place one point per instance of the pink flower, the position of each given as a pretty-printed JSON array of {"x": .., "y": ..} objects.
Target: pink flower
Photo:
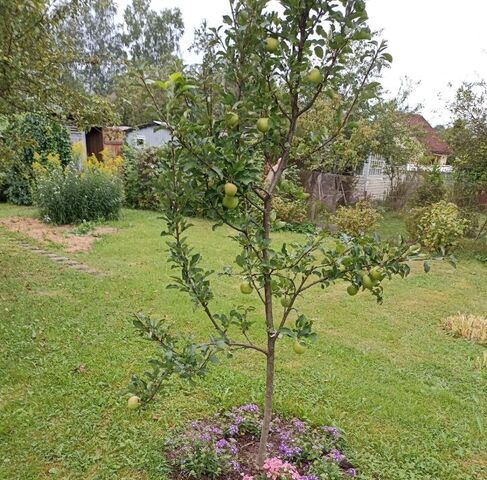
[
  {"x": 276, "y": 469},
  {"x": 248, "y": 477}
]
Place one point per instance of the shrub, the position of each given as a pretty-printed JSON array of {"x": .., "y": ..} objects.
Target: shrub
[
  {"x": 437, "y": 227},
  {"x": 32, "y": 137},
  {"x": 290, "y": 211},
  {"x": 472, "y": 221},
  {"x": 431, "y": 190},
  {"x": 70, "y": 196},
  {"x": 356, "y": 220},
  {"x": 291, "y": 201},
  {"x": 401, "y": 191},
  {"x": 142, "y": 171},
  {"x": 469, "y": 326}
]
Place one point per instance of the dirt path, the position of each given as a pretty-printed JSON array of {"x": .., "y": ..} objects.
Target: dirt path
[{"x": 59, "y": 235}]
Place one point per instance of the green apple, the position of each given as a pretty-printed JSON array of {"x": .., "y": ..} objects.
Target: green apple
[
  {"x": 285, "y": 301},
  {"x": 230, "y": 202},
  {"x": 376, "y": 274},
  {"x": 271, "y": 44},
  {"x": 314, "y": 76},
  {"x": 230, "y": 189},
  {"x": 243, "y": 17},
  {"x": 298, "y": 347},
  {"x": 133, "y": 402},
  {"x": 245, "y": 288},
  {"x": 263, "y": 124},
  {"x": 231, "y": 119},
  {"x": 352, "y": 290},
  {"x": 367, "y": 282}
]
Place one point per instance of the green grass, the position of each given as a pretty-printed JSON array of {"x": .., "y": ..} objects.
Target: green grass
[{"x": 405, "y": 393}]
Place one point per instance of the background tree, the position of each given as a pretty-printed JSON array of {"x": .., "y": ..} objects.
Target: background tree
[
  {"x": 468, "y": 138},
  {"x": 97, "y": 40},
  {"x": 225, "y": 133},
  {"x": 151, "y": 37},
  {"x": 396, "y": 141},
  {"x": 35, "y": 56}
]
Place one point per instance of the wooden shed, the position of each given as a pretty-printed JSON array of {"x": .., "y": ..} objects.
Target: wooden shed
[{"x": 105, "y": 138}]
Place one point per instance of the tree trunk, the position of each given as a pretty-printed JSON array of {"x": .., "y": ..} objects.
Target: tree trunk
[
  {"x": 271, "y": 342},
  {"x": 269, "y": 390}
]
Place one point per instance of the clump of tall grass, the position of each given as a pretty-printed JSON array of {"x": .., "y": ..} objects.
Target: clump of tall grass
[{"x": 471, "y": 327}]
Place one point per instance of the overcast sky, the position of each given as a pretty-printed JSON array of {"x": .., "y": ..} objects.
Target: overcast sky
[{"x": 434, "y": 42}]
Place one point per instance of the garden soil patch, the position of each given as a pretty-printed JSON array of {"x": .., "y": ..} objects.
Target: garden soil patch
[{"x": 60, "y": 235}]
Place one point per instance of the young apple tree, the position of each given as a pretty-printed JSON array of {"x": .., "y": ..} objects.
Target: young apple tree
[{"x": 233, "y": 124}]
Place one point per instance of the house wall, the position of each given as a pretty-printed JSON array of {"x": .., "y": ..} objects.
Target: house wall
[
  {"x": 76, "y": 136},
  {"x": 150, "y": 136},
  {"x": 372, "y": 183}
]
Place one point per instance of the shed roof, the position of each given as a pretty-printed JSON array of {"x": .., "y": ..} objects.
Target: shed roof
[{"x": 427, "y": 135}]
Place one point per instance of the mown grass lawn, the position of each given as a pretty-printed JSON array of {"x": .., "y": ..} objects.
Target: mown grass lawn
[{"x": 406, "y": 394}]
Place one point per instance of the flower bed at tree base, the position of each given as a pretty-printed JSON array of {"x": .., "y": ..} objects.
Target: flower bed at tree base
[{"x": 225, "y": 446}]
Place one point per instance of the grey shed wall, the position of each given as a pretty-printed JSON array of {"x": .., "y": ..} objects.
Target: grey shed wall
[{"x": 150, "y": 136}]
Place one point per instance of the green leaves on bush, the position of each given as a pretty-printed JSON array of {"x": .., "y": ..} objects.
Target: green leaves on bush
[
  {"x": 142, "y": 171},
  {"x": 70, "y": 196},
  {"x": 356, "y": 220},
  {"x": 431, "y": 190},
  {"x": 32, "y": 137},
  {"x": 437, "y": 227}
]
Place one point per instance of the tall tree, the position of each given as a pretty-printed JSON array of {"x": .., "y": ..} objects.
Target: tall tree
[
  {"x": 98, "y": 44},
  {"x": 151, "y": 37},
  {"x": 35, "y": 56},
  {"x": 224, "y": 133},
  {"x": 468, "y": 136}
]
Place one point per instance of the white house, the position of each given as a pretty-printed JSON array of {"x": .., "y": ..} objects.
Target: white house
[
  {"x": 152, "y": 134},
  {"x": 373, "y": 181}
]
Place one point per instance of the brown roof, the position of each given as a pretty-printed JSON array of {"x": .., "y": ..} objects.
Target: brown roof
[{"x": 427, "y": 135}]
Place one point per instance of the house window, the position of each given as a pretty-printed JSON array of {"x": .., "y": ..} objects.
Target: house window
[
  {"x": 140, "y": 141},
  {"x": 376, "y": 165}
]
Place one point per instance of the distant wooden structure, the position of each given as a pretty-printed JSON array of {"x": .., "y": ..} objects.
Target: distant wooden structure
[{"x": 110, "y": 139}]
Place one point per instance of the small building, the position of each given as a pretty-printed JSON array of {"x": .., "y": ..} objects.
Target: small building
[
  {"x": 147, "y": 135},
  {"x": 373, "y": 181},
  {"x": 110, "y": 139},
  {"x": 427, "y": 135}
]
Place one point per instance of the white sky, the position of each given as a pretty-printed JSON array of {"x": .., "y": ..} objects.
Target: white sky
[{"x": 434, "y": 42}]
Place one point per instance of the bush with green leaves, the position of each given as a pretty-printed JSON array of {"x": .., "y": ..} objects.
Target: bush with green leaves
[
  {"x": 290, "y": 201},
  {"x": 437, "y": 227},
  {"x": 231, "y": 121},
  {"x": 431, "y": 189},
  {"x": 66, "y": 195},
  {"x": 142, "y": 171},
  {"x": 32, "y": 137},
  {"x": 356, "y": 220}
]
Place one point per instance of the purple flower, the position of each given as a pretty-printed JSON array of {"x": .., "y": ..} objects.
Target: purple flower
[
  {"x": 309, "y": 477},
  {"x": 288, "y": 451},
  {"x": 249, "y": 408},
  {"x": 220, "y": 444},
  {"x": 351, "y": 472},
  {"x": 235, "y": 465},
  {"x": 333, "y": 431},
  {"x": 205, "y": 437},
  {"x": 238, "y": 420},
  {"x": 216, "y": 430},
  {"x": 298, "y": 425},
  {"x": 233, "y": 429},
  {"x": 336, "y": 455},
  {"x": 233, "y": 449}
]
